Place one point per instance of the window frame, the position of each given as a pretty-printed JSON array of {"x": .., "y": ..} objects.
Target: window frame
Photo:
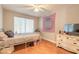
[{"x": 25, "y": 25}]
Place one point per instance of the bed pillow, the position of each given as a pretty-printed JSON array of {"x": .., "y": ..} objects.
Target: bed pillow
[
  {"x": 2, "y": 35},
  {"x": 9, "y": 33}
]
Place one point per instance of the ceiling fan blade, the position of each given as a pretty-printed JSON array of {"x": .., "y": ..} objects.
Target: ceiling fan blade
[
  {"x": 30, "y": 5},
  {"x": 27, "y": 8},
  {"x": 43, "y": 9},
  {"x": 30, "y": 8}
]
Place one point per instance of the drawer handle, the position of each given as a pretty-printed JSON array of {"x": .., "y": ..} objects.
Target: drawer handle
[
  {"x": 77, "y": 39},
  {"x": 59, "y": 43},
  {"x": 59, "y": 36},
  {"x": 67, "y": 37},
  {"x": 74, "y": 43},
  {"x": 77, "y": 49}
]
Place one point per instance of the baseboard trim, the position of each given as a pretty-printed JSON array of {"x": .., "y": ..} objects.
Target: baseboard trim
[{"x": 49, "y": 40}]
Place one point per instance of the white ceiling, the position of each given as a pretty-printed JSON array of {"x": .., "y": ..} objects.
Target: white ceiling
[
  {"x": 25, "y": 10},
  {"x": 50, "y": 8}
]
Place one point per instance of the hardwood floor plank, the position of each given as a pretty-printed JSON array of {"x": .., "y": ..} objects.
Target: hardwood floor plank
[{"x": 44, "y": 47}]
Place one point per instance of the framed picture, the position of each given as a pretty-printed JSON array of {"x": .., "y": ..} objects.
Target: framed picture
[{"x": 49, "y": 23}]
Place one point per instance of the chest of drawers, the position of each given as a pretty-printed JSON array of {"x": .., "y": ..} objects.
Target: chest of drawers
[{"x": 70, "y": 43}]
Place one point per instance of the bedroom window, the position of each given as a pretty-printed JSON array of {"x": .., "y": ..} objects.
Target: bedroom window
[{"x": 23, "y": 25}]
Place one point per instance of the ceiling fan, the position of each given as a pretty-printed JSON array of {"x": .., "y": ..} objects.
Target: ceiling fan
[{"x": 35, "y": 7}]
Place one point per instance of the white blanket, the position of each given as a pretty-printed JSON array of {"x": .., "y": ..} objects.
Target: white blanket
[{"x": 19, "y": 39}]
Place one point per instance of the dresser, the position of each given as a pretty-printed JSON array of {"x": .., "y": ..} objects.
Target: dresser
[{"x": 68, "y": 42}]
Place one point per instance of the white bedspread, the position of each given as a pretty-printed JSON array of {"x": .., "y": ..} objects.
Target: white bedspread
[{"x": 19, "y": 39}]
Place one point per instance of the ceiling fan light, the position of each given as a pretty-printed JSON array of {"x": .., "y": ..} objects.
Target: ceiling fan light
[{"x": 36, "y": 10}]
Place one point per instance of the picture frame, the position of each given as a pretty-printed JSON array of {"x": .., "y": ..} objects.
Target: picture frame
[{"x": 49, "y": 23}]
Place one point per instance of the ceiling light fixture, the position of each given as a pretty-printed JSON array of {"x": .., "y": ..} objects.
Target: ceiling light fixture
[{"x": 36, "y": 10}]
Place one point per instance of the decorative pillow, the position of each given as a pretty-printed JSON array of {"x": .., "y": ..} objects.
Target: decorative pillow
[
  {"x": 9, "y": 33},
  {"x": 2, "y": 34},
  {"x": 1, "y": 38}
]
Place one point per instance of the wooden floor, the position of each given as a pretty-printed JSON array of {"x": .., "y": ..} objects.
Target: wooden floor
[{"x": 44, "y": 47}]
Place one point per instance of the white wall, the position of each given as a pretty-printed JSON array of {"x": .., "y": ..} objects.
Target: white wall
[
  {"x": 46, "y": 35},
  {"x": 1, "y": 18},
  {"x": 60, "y": 21},
  {"x": 72, "y": 14},
  {"x": 64, "y": 15},
  {"x": 8, "y": 19},
  {"x": 59, "y": 25}
]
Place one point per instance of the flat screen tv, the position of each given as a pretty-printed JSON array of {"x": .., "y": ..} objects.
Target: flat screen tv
[{"x": 71, "y": 28}]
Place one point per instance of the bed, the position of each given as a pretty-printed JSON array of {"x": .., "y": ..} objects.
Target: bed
[{"x": 7, "y": 44}]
